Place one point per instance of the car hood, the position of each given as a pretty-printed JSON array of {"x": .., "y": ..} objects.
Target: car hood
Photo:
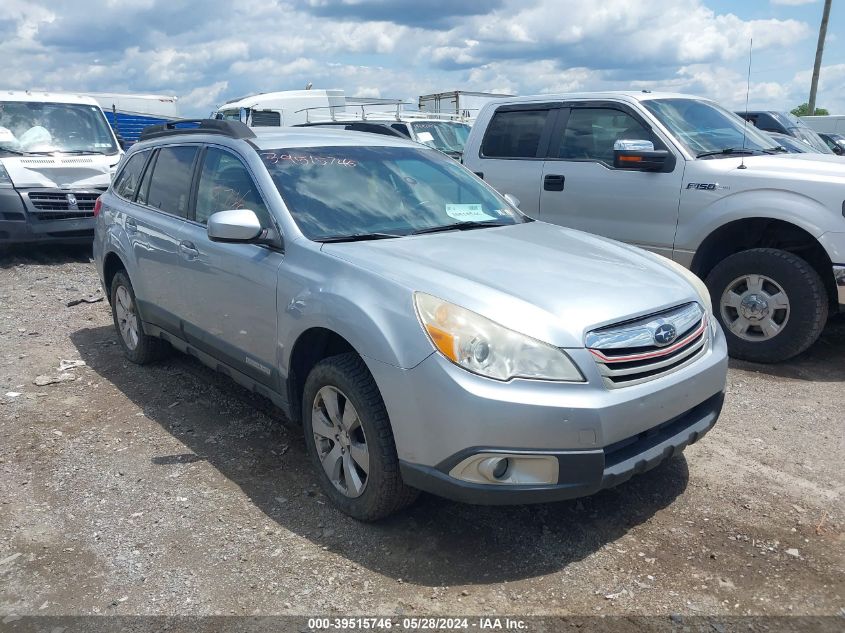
[
  {"x": 552, "y": 283},
  {"x": 62, "y": 172}
]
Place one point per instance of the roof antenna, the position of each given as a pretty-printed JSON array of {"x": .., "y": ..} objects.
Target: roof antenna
[{"x": 747, "y": 91}]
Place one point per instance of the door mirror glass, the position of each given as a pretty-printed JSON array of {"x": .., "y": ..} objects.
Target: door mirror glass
[
  {"x": 635, "y": 145},
  {"x": 235, "y": 225},
  {"x": 512, "y": 199}
]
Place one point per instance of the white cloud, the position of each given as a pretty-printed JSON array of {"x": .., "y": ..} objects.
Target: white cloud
[{"x": 793, "y": 3}]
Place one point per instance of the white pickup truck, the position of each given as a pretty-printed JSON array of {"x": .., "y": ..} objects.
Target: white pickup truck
[{"x": 685, "y": 178}]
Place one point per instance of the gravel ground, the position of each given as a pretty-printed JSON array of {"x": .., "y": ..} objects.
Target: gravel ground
[{"x": 167, "y": 489}]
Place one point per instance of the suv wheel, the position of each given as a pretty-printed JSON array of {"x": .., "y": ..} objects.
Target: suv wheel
[
  {"x": 138, "y": 347},
  {"x": 348, "y": 436},
  {"x": 771, "y": 303}
]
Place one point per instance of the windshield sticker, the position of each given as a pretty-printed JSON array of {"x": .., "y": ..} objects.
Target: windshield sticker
[
  {"x": 306, "y": 159},
  {"x": 468, "y": 212},
  {"x": 425, "y": 137}
]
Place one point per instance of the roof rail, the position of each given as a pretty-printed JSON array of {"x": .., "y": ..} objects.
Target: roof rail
[{"x": 232, "y": 129}]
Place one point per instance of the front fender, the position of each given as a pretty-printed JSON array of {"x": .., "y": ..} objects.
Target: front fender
[
  {"x": 697, "y": 222},
  {"x": 375, "y": 315}
]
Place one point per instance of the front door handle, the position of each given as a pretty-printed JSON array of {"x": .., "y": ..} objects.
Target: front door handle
[
  {"x": 188, "y": 250},
  {"x": 553, "y": 182}
]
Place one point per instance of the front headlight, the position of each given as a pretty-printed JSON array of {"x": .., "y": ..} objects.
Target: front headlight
[
  {"x": 5, "y": 181},
  {"x": 701, "y": 289},
  {"x": 483, "y": 347}
]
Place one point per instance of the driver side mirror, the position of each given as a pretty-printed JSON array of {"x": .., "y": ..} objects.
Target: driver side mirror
[
  {"x": 641, "y": 156},
  {"x": 512, "y": 199},
  {"x": 236, "y": 225}
]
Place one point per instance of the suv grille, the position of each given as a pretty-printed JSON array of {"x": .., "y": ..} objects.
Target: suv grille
[
  {"x": 63, "y": 205},
  {"x": 631, "y": 352}
]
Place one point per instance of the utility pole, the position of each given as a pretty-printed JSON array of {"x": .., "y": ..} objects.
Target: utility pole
[{"x": 819, "y": 50}]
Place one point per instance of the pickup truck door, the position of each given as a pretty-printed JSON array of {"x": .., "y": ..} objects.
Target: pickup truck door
[
  {"x": 230, "y": 288},
  {"x": 514, "y": 148},
  {"x": 580, "y": 188}
]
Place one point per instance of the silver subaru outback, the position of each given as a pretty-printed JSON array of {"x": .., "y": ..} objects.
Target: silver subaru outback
[{"x": 427, "y": 334}]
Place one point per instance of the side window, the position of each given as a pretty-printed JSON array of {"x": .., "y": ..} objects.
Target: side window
[
  {"x": 401, "y": 128},
  {"x": 591, "y": 132},
  {"x": 514, "y": 134},
  {"x": 126, "y": 183},
  {"x": 170, "y": 183},
  {"x": 226, "y": 184}
]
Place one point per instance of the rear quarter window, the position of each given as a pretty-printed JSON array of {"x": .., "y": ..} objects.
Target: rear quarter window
[
  {"x": 127, "y": 182},
  {"x": 514, "y": 134}
]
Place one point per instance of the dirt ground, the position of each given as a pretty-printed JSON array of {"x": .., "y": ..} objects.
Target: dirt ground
[{"x": 168, "y": 489}]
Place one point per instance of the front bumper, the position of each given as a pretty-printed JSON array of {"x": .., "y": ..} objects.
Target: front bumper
[
  {"x": 19, "y": 223},
  {"x": 441, "y": 414},
  {"x": 581, "y": 473}
]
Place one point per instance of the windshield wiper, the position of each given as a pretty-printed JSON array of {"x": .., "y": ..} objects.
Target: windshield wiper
[
  {"x": 460, "y": 226},
  {"x": 80, "y": 151},
  {"x": 12, "y": 151},
  {"x": 357, "y": 237},
  {"x": 731, "y": 150}
]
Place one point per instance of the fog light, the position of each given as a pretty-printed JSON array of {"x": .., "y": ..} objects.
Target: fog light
[
  {"x": 494, "y": 468},
  {"x": 510, "y": 469}
]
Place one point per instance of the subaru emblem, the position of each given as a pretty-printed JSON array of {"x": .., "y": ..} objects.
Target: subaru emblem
[
  {"x": 72, "y": 204},
  {"x": 664, "y": 334}
]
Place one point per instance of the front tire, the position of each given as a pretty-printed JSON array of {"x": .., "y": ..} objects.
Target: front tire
[
  {"x": 349, "y": 440},
  {"x": 771, "y": 304},
  {"x": 137, "y": 346}
]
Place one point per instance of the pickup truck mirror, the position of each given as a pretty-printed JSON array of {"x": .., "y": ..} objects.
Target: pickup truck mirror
[
  {"x": 235, "y": 225},
  {"x": 641, "y": 156}
]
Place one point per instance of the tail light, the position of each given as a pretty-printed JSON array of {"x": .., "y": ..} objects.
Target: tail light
[{"x": 97, "y": 206}]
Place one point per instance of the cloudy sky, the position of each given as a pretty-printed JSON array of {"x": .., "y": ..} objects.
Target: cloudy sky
[{"x": 207, "y": 52}]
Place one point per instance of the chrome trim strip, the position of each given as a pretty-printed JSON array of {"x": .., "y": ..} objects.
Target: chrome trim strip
[
  {"x": 640, "y": 333},
  {"x": 608, "y": 370},
  {"x": 630, "y": 383}
]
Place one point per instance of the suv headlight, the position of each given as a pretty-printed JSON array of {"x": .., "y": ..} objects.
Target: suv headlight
[
  {"x": 484, "y": 347},
  {"x": 5, "y": 181}
]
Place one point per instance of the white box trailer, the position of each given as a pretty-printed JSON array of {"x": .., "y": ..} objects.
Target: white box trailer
[
  {"x": 458, "y": 102},
  {"x": 830, "y": 124},
  {"x": 130, "y": 113}
]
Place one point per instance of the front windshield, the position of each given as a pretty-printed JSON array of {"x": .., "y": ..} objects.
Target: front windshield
[
  {"x": 447, "y": 136},
  {"x": 333, "y": 192},
  {"x": 37, "y": 127},
  {"x": 704, "y": 127}
]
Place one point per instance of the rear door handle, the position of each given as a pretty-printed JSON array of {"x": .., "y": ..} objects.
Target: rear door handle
[
  {"x": 188, "y": 250},
  {"x": 131, "y": 225},
  {"x": 553, "y": 182}
]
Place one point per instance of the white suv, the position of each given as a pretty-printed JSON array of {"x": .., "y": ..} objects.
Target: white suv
[{"x": 682, "y": 176}]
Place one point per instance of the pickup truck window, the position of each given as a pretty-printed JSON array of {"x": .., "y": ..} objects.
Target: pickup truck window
[
  {"x": 226, "y": 184},
  {"x": 703, "y": 127},
  {"x": 514, "y": 134},
  {"x": 591, "y": 132}
]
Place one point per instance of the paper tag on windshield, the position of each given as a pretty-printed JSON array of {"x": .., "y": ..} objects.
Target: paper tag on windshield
[
  {"x": 425, "y": 137},
  {"x": 467, "y": 213}
]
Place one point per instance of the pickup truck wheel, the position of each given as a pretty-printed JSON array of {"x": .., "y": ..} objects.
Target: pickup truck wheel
[
  {"x": 349, "y": 440},
  {"x": 771, "y": 304},
  {"x": 137, "y": 346}
]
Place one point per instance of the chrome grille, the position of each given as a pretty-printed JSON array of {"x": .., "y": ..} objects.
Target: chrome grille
[
  {"x": 628, "y": 353},
  {"x": 63, "y": 205}
]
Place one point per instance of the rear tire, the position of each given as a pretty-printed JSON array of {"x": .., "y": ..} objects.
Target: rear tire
[
  {"x": 771, "y": 304},
  {"x": 137, "y": 346},
  {"x": 350, "y": 442}
]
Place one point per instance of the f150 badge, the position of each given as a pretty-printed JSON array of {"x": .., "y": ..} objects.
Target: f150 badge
[{"x": 707, "y": 186}]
